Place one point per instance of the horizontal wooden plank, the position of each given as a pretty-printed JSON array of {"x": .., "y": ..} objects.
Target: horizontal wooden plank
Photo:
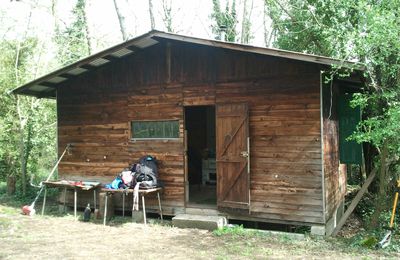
[
  {"x": 287, "y": 211},
  {"x": 287, "y": 161},
  {"x": 287, "y": 216},
  {"x": 290, "y": 154},
  {"x": 287, "y": 198},
  {"x": 286, "y": 182},
  {"x": 300, "y": 172},
  {"x": 263, "y": 190}
]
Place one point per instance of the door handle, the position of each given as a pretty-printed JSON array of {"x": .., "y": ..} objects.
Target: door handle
[{"x": 244, "y": 154}]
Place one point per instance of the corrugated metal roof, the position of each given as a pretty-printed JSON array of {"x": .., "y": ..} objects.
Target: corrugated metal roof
[{"x": 45, "y": 86}]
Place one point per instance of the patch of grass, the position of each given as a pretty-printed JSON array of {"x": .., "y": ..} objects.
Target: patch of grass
[
  {"x": 286, "y": 239},
  {"x": 367, "y": 240},
  {"x": 4, "y": 223},
  {"x": 235, "y": 230},
  {"x": 7, "y": 210}
]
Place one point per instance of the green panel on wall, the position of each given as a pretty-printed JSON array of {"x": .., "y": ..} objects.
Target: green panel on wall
[
  {"x": 350, "y": 151},
  {"x": 155, "y": 129}
]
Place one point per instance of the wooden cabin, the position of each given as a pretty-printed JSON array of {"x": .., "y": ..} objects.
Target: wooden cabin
[{"x": 251, "y": 132}]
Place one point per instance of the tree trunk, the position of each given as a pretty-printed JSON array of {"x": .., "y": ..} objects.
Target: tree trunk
[
  {"x": 244, "y": 23},
  {"x": 22, "y": 119},
  {"x": 245, "y": 37},
  {"x": 382, "y": 187},
  {"x": 153, "y": 25},
  {"x": 167, "y": 17},
  {"x": 267, "y": 32},
  {"x": 121, "y": 20},
  {"x": 86, "y": 25},
  {"x": 11, "y": 185}
]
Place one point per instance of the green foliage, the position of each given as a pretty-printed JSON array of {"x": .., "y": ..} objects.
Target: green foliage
[
  {"x": 226, "y": 18},
  {"x": 314, "y": 26},
  {"x": 27, "y": 125},
  {"x": 362, "y": 30},
  {"x": 72, "y": 41},
  {"x": 236, "y": 230},
  {"x": 369, "y": 242},
  {"x": 366, "y": 31}
]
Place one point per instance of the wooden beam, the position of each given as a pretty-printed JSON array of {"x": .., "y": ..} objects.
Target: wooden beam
[
  {"x": 67, "y": 76},
  {"x": 88, "y": 66},
  {"x": 133, "y": 48},
  {"x": 110, "y": 58},
  {"x": 48, "y": 84},
  {"x": 354, "y": 203}
]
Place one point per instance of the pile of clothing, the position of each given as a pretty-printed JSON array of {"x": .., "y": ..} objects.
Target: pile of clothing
[
  {"x": 143, "y": 174},
  {"x": 139, "y": 175}
]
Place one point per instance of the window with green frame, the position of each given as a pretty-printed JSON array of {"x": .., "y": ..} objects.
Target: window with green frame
[{"x": 155, "y": 129}]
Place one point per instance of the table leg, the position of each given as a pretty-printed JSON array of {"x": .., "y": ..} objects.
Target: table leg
[
  {"x": 123, "y": 204},
  {"x": 159, "y": 205},
  {"x": 144, "y": 210},
  {"x": 133, "y": 204},
  {"x": 44, "y": 199},
  {"x": 75, "y": 202},
  {"x": 105, "y": 209},
  {"x": 65, "y": 198},
  {"x": 94, "y": 199}
]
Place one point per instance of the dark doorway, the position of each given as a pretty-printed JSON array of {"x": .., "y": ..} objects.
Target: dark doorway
[{"x": 201, "y": 167}]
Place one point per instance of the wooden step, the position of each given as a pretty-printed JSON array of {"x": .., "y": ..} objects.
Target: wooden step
[
  {"x": 199, "y": 221},
  {"x": 202, "y": 211}
]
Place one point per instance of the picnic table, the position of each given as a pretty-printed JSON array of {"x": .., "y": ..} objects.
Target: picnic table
[
  {"x": 71, "y": 185},
  {"x": 142, "y": 193}
]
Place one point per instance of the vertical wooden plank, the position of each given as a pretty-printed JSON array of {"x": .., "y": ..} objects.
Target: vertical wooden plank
[{"x": 168, "y": 62}]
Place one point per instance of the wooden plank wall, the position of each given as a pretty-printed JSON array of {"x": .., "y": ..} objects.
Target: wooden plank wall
[
  {"x": 284, "y": 106},
  {"x": 94, "y": 112},
  {"x": 334, "y": 172}
]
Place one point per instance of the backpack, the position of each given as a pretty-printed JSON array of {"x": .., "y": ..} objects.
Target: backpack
[{"x": 146, "y": 171}]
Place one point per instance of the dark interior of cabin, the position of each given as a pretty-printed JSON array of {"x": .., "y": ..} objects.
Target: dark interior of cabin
[{"x": 200, "y": 127}]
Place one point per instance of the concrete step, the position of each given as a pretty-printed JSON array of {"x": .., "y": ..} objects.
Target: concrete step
[
  {"x": 202, "y": 211},
  {"x": 199, "y": 221}
]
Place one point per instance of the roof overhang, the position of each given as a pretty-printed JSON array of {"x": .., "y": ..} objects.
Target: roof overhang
[{"x": 46, "y": 86}]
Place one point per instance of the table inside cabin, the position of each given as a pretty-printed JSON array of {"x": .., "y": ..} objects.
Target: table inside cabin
[
  {"x": 142, "y": 193},
  {"x": 71, "y": 185}
]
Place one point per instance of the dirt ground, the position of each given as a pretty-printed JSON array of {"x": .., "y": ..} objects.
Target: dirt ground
[{"x": 62, "y": 237}]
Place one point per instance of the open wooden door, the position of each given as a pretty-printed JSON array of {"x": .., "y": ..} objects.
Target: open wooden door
[{"x": 233, "y": 168}]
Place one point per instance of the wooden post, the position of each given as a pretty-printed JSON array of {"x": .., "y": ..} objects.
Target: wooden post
[{"x": 354, "y": 203}]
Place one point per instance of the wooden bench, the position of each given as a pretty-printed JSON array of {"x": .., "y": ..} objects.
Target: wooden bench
[{"x": 68, "y": 185}]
